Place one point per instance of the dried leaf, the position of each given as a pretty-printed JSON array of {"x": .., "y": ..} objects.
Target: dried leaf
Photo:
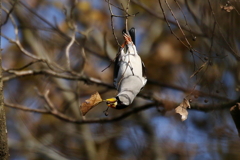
[
  {"x": 182, "y": 109},
  {"x": 90, "y": 103},
  {"x": 235, "y": 107},
  {"x": 227, "y": 8}
]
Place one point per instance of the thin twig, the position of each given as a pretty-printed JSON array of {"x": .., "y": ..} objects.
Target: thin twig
[
  {"x": 178, "y": 24},
  {"x": 185, "y": 90},
  {"x": 168, "y": 24},
  {"x": 84, "y": 61},
  {"x": 41, "y": 18},
  {"x": 126, "y": 20},
  {"x": 192, "y": 13},
  {"x": 199, "y": 69},
  {"x": 162, "y": 18},
  {"x": 115, "y": 6},
  {"x": 25, "y": 73},
  {"x": 213, "y": 32},
  {"x": 19, "y": 45},
  {"x": 188, "y": 45},
  {"x": 20, "y": 107},
  {"x": 23, "y": 67},
  {"x": 229, "y": 46},
  {"x": 112, "y": 61},
  {"x": 8, "y": 14},
  {"x": 69, "y": 46},
  {"x": 21, "y": 48},
  {"x": 47, "y": 100},
  {"x": 187, "y": 25},
  {"x": 112, "y": 25},
  {"x": 17, "y": 42}
]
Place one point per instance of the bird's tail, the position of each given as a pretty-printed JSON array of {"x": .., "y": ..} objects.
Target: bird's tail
[{"x": 132, "y": 34}]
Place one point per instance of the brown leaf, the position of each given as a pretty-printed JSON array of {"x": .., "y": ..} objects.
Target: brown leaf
[
  {"x": 227, "y": 8},
  {"x": 90, "y": 103},
  {"x": 235, "y": 107},
  {"x": 182, "y": 109}
]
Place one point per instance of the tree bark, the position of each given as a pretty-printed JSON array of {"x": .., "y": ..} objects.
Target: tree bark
[{"x": 3, "y": 129}]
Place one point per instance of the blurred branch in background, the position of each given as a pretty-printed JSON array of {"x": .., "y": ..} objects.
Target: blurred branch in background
[{"x": 65, "y": 49}]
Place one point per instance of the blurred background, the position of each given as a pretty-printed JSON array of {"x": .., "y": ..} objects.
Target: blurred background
[{"x": 63, "y": 46}]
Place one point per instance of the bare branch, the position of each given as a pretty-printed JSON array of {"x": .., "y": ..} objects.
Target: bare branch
[
  {"x": 168, "y": 24},
  {"x": 126, "y": 20},
  {"x": 235, "y": 54},
  {"x": 185, "y": 90},
  {"x": 69, "y": 46},
  {"x": 187, "y": 25},
  {"x": 162, "y": 18},
  {"x": 132, "y": 111},
  {"x": 112, "y": 25},
  {"x": 115, "y": 6},
  {"x": 178, "y": 24},
  {"x": 8, "y": 14},
  {"x": 20, "y": 107},
  {"x": 89, "y": 80},
  {"x": 23, "y": 67},
  {"x": 18, "y": 74},
  {"x": 19, "y": 45},
  {"x": 17, "y": 42},
  {"x": 64, "y": 117}
]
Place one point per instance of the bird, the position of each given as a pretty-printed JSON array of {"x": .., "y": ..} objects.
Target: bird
[{"x": 129, "y": 73}]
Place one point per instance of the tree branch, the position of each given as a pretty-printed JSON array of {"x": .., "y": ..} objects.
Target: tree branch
[{"x": 53, "y": 111}]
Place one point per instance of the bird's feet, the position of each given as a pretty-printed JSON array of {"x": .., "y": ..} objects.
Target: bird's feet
[{"x": 128, "y": 39}]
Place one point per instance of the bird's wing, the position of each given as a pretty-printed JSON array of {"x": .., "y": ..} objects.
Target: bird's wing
[
  {"x": 132, "y": 33},
  {"x": 116, "y": 69},
  {"x": 144, "y": 70},
  {"x": 144, "y": 74}
]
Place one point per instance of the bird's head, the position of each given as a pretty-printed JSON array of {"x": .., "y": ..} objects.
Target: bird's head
[
  {"x": 111, "y": 102},
  {"x": 115, "y": 103}
]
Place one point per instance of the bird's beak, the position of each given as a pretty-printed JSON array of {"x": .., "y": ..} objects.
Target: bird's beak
[{"x": 111, "y": 102}]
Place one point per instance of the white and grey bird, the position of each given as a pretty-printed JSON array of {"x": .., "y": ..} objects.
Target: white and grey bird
[{"x": 129, "y": 73}]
